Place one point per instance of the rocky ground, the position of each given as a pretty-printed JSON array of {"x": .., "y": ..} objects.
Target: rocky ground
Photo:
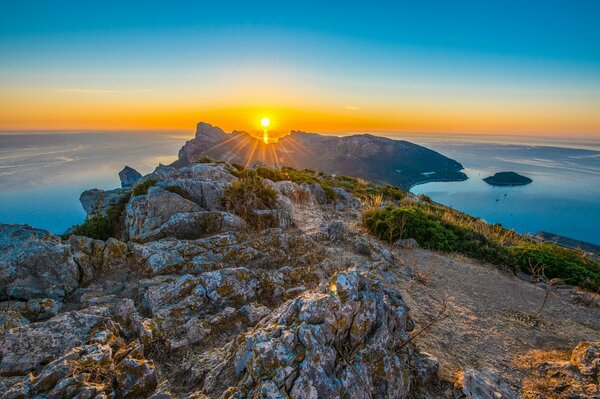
[{"x": 192, "y": 303}]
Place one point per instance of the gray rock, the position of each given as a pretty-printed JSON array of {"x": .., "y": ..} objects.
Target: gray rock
[
  {"x": 206, "y": 193},
  {"x": 147, "y": 213},
  {"x": 97, "y": 202},
  {"x": 293, "y": 191},
  {"x": 129, "y": 177},
  {"x": 334, "y": 231},
  {"x": 586, "y": 357},
  {"x": 193, "y": 225},
  {"x": 408, "y": 243},
  {"x": 34, "y": 264},
  {"x": 255, "y": 312},
  {"x": 29, "y": 347},
  {"x": 485, "y": 384},
  {"x": 11, "y": 319},
  {"x": 345, "y": 200},
  {"x": 341, "y": 342},
  {"x": 318, "y": 194}
]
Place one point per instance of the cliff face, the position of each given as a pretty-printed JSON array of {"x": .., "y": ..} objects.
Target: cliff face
[{"x": 374, "y": 158}]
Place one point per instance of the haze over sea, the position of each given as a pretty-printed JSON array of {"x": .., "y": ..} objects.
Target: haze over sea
[{"x": 42, "y": 175}]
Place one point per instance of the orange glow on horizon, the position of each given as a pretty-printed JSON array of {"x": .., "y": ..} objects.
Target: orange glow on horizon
[{"x": 17, "y": 113}]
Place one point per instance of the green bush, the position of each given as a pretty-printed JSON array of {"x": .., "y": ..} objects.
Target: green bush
[
  {"x": 204, "y": 159},
  {"x": 426, "y": 225},
  {"x": 574, "y": 267},
  {"x": 142, "y": 187},
  {"x": 247, "y": 194},
  {"x": 102, "y": 226}
]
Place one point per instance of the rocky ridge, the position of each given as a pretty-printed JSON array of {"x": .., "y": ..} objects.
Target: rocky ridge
[
  {"x": 375, "y": 158},
  {"x": 192, "y": 303}
]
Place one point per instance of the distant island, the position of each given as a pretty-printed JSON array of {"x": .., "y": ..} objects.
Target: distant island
[{"x": 507, "y": 179}]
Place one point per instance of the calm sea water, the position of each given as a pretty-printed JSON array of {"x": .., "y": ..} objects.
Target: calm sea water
[
  {"x": 564, "y": 197},
  {"x": 42, "y": 175}
]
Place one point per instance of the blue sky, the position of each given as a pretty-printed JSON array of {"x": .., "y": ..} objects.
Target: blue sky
[{"x": 543, "y": 54}]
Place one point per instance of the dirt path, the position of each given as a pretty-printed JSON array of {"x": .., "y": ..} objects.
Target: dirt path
[{"x": 489, "y": 315}]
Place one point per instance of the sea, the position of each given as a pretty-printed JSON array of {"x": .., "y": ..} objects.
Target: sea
[{"x": 42, "y": 175}]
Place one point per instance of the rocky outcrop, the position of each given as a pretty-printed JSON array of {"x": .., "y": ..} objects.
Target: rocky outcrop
[
  {"x": 145, "y": 214},
  {"x": 35, "y": 264},
  {"x": 485, "y": 384},
  {"x": 575, "y": 377},
  {"x": 30, "y": 347},
  {"x": 129, "y": 177},
  {"x": 98, "y": 202},
  {"x": 193, "y": 225},
  {"x": 347, "y": 340}
]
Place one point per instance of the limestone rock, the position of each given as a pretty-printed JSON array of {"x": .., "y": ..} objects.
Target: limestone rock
[
  {"x": 27, "y": 348},
  {"x": 206, "y": 193},
  {"x": 97, "y": 202},
  {"x": 129, "y": 177},
  {"x": 255, "y": 312},
  {"x": 318, "y": 194},
  {"x": 345, "y": 200},
  {"x": 342, "y": 342},
  {"x": 485, "y": 384},
  {"x": 147, "y": 213},
  {"x": 408, "y": 243},
  {"x": 586, "y": 357},
  {"x": 193, "y": 225},
  {"x": 34, "y": 264}
]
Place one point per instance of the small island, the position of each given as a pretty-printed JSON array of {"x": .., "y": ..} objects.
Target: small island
[{"x": 507, "y": 179}]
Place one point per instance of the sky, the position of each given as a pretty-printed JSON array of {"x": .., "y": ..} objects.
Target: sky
[{"x": 482, "y": 67}]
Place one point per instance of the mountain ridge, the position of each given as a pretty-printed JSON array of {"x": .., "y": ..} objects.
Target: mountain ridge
[{"x": 375, "y": 158}]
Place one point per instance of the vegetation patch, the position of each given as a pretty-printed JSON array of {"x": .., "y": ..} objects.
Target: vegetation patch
[
  {"x": 247, "y": 195},
  {"x": 360, "y": 188},
  {"x": 103, "y": 226},
  {"x": 142, "y": 187},
  {"x": 439, "y": 228}
]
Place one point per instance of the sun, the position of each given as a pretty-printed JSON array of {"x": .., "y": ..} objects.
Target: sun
[{"x": 265, "y": 122}]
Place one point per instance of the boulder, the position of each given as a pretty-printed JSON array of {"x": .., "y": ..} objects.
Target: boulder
[
  {"x": 586, "y": 357},
  {"x": 344, "y": 341},
  {"x": 193, "y": 225},
  {"x": 29, "y": 347},
  {"x": 318, "y": 194},
  {"x": 485, "y": 384},
  {"x": 95, "y": 257},
  {"x": 206, "y": 193},
  {"x": 293, "y": 191},
  {"x": 147, "y": 213},
  {"x": 345, "y": 200},
  {"x": 98, "y": 202},
  {"x": 408, "y": 243},
  {"x": 34, "y": 264},
  {"x": 92, "y": 370},
  {"x": 129, "y": 177}
]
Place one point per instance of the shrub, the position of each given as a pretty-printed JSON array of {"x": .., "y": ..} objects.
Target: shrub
[
  {"x": 102, "y": 226},
  {"x": 574, "y": 267},
  {"x": 204, "y": 159},
  {"x": 247, "y": 194},
  {"x": 142, "y": 187}
]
